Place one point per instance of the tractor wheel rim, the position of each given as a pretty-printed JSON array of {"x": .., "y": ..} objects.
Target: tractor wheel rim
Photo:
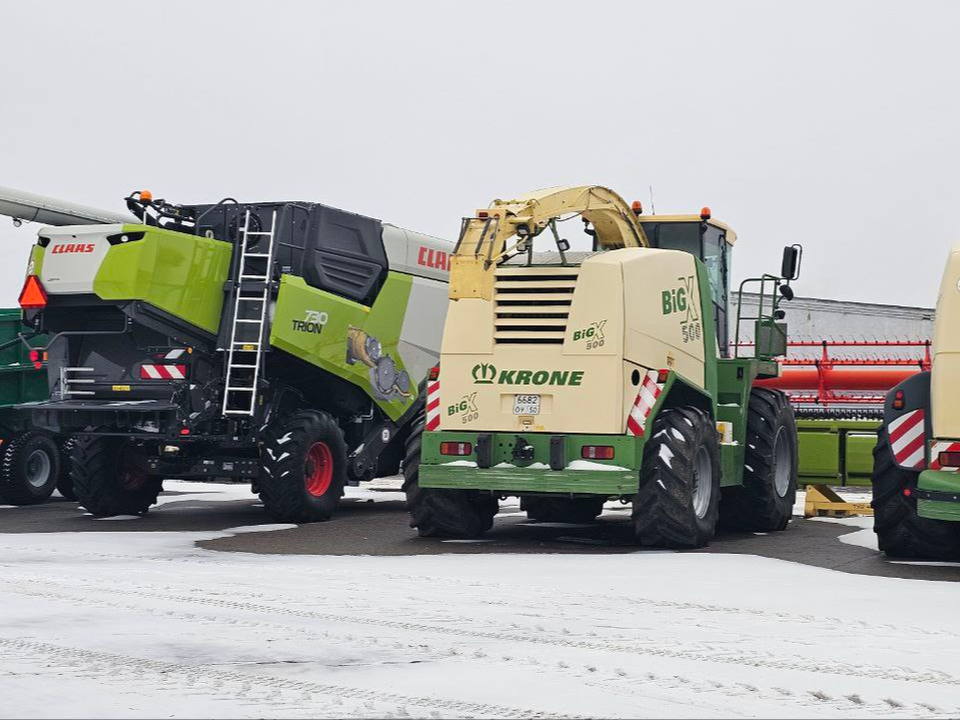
[
  {"x": 318, "y": 469},
  {"x": 782, "y": 463},
  {"x": 132, "y": 477},
  {"x": 38, "y": 468},
  {"x": 702, "y": 482}
]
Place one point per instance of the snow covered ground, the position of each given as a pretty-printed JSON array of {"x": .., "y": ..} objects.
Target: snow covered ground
[{"x": 145, "y": 624}]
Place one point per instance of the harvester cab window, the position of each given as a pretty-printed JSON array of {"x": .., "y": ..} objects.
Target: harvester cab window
[{"x": 715, "y": 257}]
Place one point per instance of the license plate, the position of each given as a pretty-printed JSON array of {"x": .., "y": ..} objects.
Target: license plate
[{"x": 526, "y": 405}]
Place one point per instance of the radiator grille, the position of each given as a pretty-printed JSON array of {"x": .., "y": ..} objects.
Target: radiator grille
[{"x": 532, "y": 307}]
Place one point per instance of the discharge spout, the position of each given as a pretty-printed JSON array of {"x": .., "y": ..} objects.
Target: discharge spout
[{"x": 30, "y": 207}]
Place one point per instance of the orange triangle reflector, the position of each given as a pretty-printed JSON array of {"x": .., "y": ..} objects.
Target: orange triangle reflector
[{"x": 33, "y": 296}]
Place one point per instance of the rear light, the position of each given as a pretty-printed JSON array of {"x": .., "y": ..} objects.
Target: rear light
[
  {"x": 949, "y": 459},
  {"x": 184, "y": 431},
  {"x": 434, "y": 373},
  {"x": 596, "y": 452},
  {"x": 32, "y": 296},
  {"x": 37, "y": 358},
  {"x": 456, "y": 448},
  {"x": 662, "y": 376},
  {"x": 898, "y": 400},
  {"x": 907, "y": 492}
]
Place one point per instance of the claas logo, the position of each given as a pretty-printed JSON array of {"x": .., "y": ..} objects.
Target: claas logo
[{"x": 72, "y": 248}]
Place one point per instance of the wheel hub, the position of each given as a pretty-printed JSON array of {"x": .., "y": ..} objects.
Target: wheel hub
[
  {"x": 318, "y": 469},
  {"x": 38, "y": 468}
]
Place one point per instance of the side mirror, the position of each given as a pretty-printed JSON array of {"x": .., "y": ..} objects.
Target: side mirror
[
  {"x": 786, "y": 291},
  {"x": 563, "y": 245},
  {"x": 790, "y": 266}
]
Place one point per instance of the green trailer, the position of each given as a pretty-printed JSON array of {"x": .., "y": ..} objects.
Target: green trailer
[{"x": 30, "y": 458}]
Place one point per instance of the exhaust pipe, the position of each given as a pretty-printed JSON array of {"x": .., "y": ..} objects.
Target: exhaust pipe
[{"x": 29, "y": 207}]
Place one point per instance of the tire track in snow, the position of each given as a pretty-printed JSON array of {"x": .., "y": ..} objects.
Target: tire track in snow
[
  {"x": 618, "y": 681},
  {"x": 734, "y": 657},
  {"x": 115, "y": 665}
]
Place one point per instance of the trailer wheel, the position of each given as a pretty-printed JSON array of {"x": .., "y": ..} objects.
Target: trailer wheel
[
  {"x": 303, "y": 467},
  {"x": 900, "y": 531},
  {"x": 29, "y": 466},
  {"x": 65, "y": 479},
  {"x": 562, "y": 510},
  {"x": 679, "y": 496},
  {"x": 440, "y": 512},
  {"x": 764, "y": 503},
  {"x": 110, "y": 477}
]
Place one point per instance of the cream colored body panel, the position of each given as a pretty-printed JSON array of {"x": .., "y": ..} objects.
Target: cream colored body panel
[
  {"x": 616, "y": 323},
  {"x": 945, "y": 377}
]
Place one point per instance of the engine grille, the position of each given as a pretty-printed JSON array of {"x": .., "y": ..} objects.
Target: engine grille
[{"x": 532, "y": 307}]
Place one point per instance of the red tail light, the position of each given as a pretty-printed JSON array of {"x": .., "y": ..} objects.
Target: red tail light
[
  {"x": 898, "y": 400},
  {"x": 596, "y": 452},
  {"x": 455, "y": 448},
  {"x": 662, "y": 376},
  {"x": 949, "y": 459},
  {"x": 32, "y": 296},
  {"x": 434, "y": 373},
  {"x": 37, "y": 358}
]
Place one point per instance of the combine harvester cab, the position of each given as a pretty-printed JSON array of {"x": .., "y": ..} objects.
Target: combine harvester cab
[
  {"x": 916, "y": 485},
  {"x": 280, "y": 343},
  {"x": 570, "y": 378}
]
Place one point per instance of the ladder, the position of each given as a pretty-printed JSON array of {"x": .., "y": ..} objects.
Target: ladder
[{"x": 250, "y": 308}]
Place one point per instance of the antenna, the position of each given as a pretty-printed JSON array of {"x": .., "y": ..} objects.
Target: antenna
[{"x": 653, "y": 208}]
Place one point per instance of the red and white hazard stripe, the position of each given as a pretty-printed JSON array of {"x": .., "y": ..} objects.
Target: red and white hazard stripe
[
  {"x": 643, "y": 405},
  {"x": 906, "y": 439},
  {"x": 433, "y": 404},
  {"x": 152, "y": 371},
  {"x": 938, "y": 447}
]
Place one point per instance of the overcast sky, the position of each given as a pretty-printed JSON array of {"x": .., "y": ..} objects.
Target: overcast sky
[{"x": 834, "y": 124}]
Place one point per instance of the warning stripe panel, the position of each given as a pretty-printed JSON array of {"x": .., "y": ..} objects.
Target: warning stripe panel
[
  {"x": 647, "y": 397},
  {"x": 155, "y": 371},
  {"x": 906, "y": 435},
  {"x": 433, "y": 405}
]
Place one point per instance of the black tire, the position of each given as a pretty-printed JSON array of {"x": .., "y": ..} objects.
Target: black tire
[
  {"x": 667, "y": 509},
  {"x": 439, "y": 512},
  {"x": 65, "y": 479},
  {"x": 764, "y": 503},
  {"x": 900, "y": 531},
  {"x": 110, "y": 477},
  {"x": 303, "y": 467},
  {"x": 561, "y": 509},
  {"x": 29, "y": 466}
]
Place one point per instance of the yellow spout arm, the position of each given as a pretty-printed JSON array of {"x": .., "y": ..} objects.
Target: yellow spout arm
[{"x": 483, "y": 238}]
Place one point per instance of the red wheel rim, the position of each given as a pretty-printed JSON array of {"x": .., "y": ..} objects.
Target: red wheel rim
[{"x": 318, "y": 469}]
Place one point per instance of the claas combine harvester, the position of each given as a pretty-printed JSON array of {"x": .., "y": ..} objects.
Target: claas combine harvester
[
  {"x": 572, "y": 378},
  {"x": 276, "y": 342}
]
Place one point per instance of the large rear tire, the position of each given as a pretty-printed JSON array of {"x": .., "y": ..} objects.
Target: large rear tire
[
  {"x": 901, "y": 533},
  {"x": 561, "y": 509},
  {"x": 764, "y": 503},
  {"x": 303, "y": 467},
  {"x": 29, "y": 467},
  {"x": 439, "y": 512},
  {"x": 65, "y": 479},
  {"x": 110, "y": 477},
  {"x": 678, "y": 500}
]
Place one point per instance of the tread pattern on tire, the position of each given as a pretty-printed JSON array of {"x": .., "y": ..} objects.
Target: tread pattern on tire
[
  {"x": 94, "y": 467},
  {"x": 755, "y": 506},
  {"x": 281, "y": 484},
  {"x": 663, "y": 514},
  {"x": 65, "y": 480},
  {"x": 900, "y": 531},
  {"x": 440, "y": 512},
  {"x": 14, "y": 487}
]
